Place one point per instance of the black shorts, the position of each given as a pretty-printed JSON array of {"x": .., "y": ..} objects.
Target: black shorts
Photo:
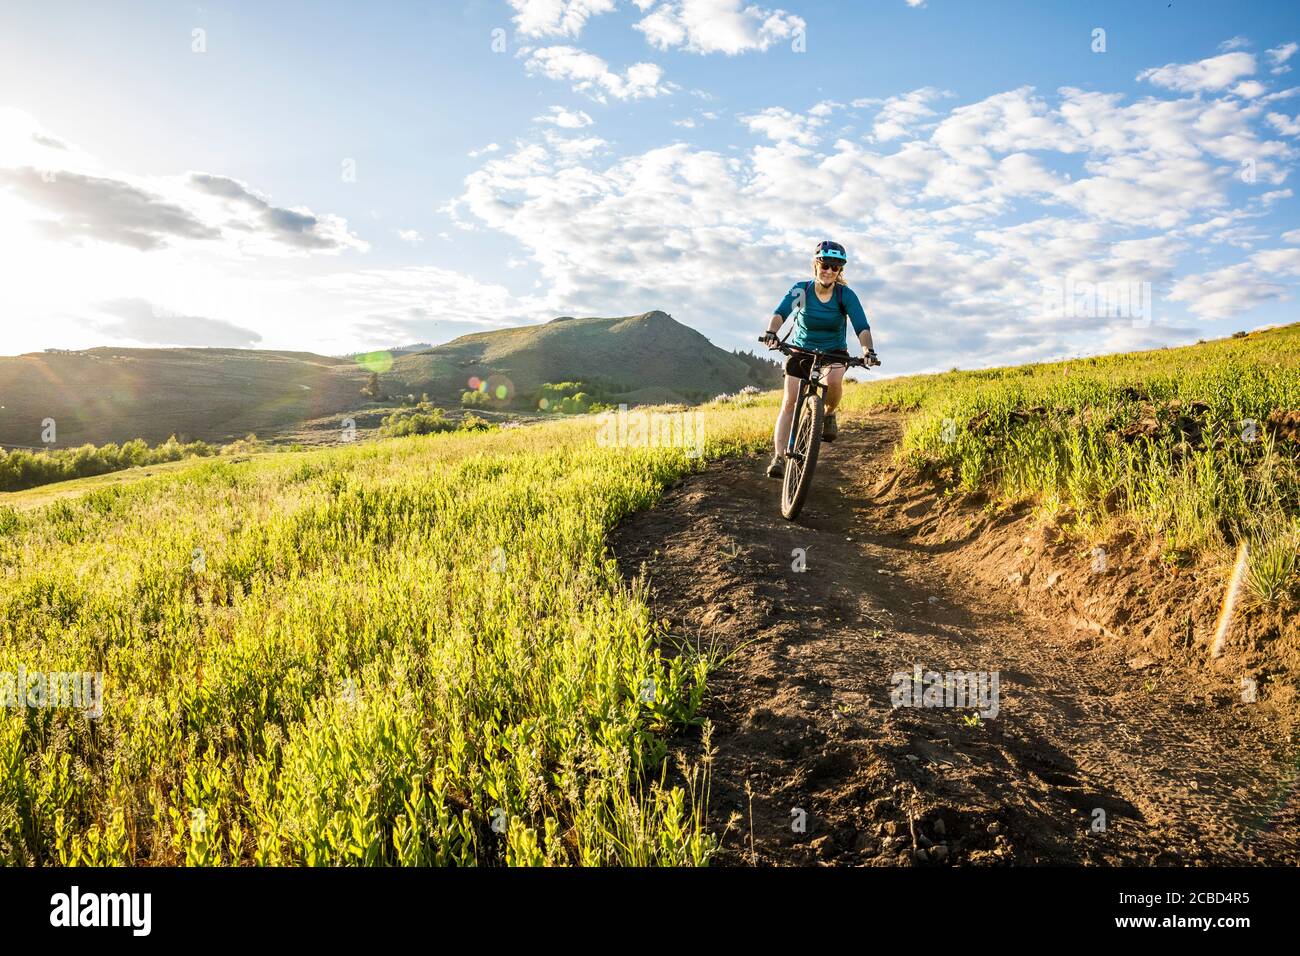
[{"x": 800, "y": 364}]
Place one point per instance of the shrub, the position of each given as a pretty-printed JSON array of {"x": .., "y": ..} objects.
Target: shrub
[
  {"x": 249, "y": 444},
  {"x": 21, "y": 469},
  {"x": 422, "y": 419}
]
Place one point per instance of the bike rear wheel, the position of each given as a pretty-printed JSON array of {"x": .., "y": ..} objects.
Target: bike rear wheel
[{"x": 799, "y": 469}]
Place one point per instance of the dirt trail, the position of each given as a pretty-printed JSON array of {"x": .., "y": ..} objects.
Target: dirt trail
[{"x": 802, "y": 707}]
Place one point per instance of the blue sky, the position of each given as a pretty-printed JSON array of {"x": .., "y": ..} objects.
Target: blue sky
[{"x": 336, "y": 177}]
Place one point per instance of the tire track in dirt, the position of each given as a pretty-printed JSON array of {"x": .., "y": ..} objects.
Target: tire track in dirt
[{"x": 803, "y": 722}]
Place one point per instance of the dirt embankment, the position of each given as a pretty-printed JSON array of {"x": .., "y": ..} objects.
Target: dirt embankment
[
  {"x": 1159, "y": 615},
  {"x": 1107, "y": 740}
]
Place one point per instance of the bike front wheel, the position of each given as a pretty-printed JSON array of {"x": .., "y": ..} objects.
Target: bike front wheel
[{"x": 799, "y": 469}]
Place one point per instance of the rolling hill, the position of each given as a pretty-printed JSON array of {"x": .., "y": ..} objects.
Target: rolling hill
[
  {"x": 112, "y": 394},
  {"x": 637, "y": 359},
  {"x": 214, "y": 394}
]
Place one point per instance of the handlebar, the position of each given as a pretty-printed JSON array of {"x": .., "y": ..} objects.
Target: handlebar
[{"x": 837, "y": 358}]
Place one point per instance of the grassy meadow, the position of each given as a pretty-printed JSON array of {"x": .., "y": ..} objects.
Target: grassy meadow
[
  {"x": 414, "y": 651},
  {"x": 1197, "y": 446},
  {"x": 418, "y": 651}
]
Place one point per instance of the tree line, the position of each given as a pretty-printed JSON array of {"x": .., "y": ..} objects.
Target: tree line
[{"x": 21, "y": 468}]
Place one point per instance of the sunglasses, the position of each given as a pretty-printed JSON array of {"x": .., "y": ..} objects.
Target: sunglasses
[{"x": 835, "y": 265}]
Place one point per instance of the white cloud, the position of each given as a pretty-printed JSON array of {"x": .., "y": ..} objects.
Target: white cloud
[
  {"x": 67, "y": 197},
  {"x": 955, "y": 217},
  {"x": 954, "y": 227},
  {"x": 556, "y": 17},
  {"x": 571, "y": 149},
  {"x": 1278, "y": 56},
  {"x": 717, "y": 26},
  {"x": 74, "y": 207},
  {"x": 200, "y": 250},
  {"x": 1237, "y": 288},
  {"x": 1235, "y": 43},
  {"x": 1285, "y": 124},
  {"x": 899, "y": 115},
  {"x": 136, "y": 320},
  {"x": 565, "y": 119},
  {"x": 410, "y": 235},
  {"x": 1005, "y": 122},
  {"x": 1214, "y": 73},
  {"x": 489, "y": 148},
  {"x": 782, "y": 126},
  {"x": 590, "y": 75},
  {"x": 422, "y": 303},
  {"x": 1160, "y": 193},
  {"x": 287, "y": 230},
  {"x": 702, "y": 116},
  {"x": 825, "y": 108},
  {"x": 1226, "y": 292},
  {"x": 1281, "y": 94},
  {"x": 1249, "y": 89},
  {"x": 24, "y": 141},
  {"x": 1277, "y": 261}
]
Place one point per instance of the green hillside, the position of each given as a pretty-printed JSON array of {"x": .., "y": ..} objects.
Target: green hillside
[
  {"x": 635, "y": 359},
  {"x": 217, "y": 395},
  {"x": 1197, "y": 446},
  {"x": 116, "y": 394}
]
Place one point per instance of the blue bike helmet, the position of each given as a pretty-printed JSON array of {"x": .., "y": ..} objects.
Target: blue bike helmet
[{"x": 830, "y": 250}]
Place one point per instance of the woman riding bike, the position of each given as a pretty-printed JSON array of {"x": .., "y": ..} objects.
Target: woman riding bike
[{"x": 820, "y": 308}]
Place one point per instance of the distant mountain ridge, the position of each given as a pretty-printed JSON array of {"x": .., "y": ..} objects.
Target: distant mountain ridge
[
  {"x": 649, "y": 357},
  {"x": 395, "y": 351},
  {"x": 114, "y": 394},
  {"x": 215, "y": 394}
]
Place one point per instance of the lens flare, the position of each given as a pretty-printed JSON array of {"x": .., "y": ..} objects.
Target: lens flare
[
  {"x": 1230, "y": 601},
  {"x": 1265, "y": 820},
  {"x": 474, "y": 382},
  {"x": 499, "y": 387},
  {"x": 379, "y": 362}
]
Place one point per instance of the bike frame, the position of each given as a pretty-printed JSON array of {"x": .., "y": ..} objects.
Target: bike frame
[{"x": 812, "y": 383}]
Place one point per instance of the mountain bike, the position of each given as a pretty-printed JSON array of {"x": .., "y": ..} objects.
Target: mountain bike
[{"x": 806, "y": 426}]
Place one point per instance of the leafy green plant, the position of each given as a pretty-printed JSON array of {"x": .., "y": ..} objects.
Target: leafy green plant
[
  {"x": 21, "y": 469},
  {"x": 421, "y": 419},
  {"x": 1271, "y": 562},
  {"x": 409, "y": 652}
]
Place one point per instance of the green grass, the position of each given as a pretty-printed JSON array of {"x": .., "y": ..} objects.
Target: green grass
[
  {"x": 322, "y": 658},
  {"x": 1201, "y": 470},
  {"x": 21, "y": 469},
  {"x": 373, "y": 654},
  {"x": 76, "y": 487}
]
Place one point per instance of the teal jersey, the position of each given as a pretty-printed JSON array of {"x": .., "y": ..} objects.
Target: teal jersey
[{"x": 819, "y": 325}]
